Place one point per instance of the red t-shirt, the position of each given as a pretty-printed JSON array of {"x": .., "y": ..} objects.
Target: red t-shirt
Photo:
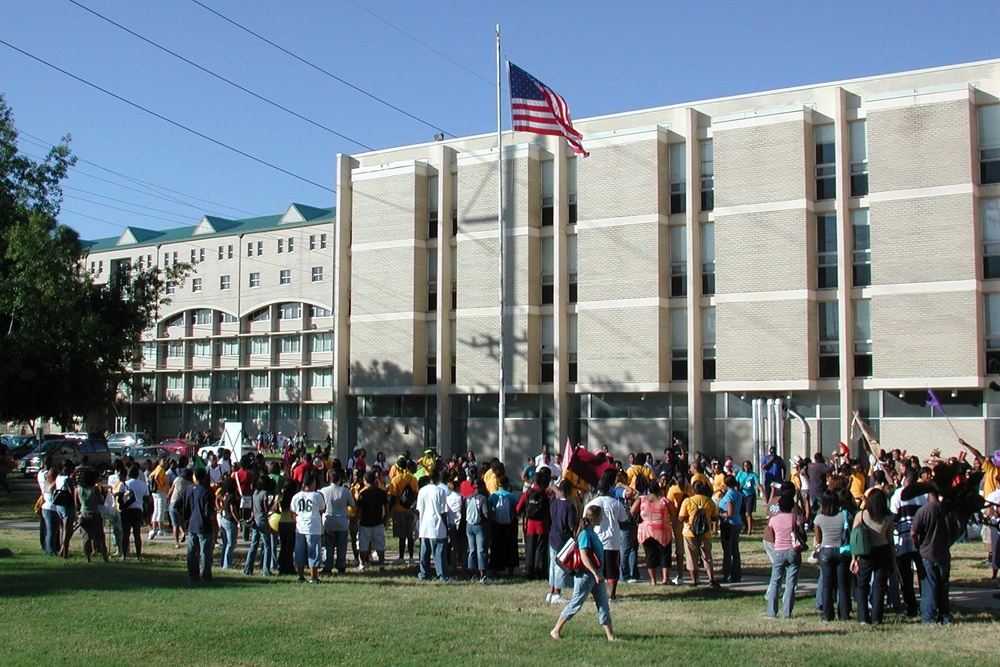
[
  {"x": 300, "y": 471},
  {"x": 532, "y": 527},
  {"x": 467, "y": 488},
  {"x": 244, "y": 482}
]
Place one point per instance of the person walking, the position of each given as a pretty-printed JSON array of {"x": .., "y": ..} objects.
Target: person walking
[
  {"x": 589, "y": 578},
  {"x": 786, "y": 526},
  {"x": 199, "y": 516},
  {"x": 873, "y": 569},
  {"x": 563, "y": 522}
]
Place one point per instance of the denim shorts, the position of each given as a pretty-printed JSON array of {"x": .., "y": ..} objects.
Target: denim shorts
[{"x": 307, "y": 550}]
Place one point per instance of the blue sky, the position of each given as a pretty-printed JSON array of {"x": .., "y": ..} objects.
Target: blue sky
[{"x": 602, "y": 57}]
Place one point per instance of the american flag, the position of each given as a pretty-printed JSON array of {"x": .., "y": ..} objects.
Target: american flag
[{"x": 537, "y": 108}]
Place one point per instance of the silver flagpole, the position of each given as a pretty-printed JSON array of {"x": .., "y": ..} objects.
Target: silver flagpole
[{"x": 503, "y": 402}]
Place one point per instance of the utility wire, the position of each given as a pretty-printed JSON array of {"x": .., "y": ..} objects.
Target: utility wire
[
  {"x": 123, "y": 201},
  {"x": 420, "y": 42},
  {"x": 168, "y": 120},
  {"x": 220, "y": 77},
  {"x": 118, "y": 208},
  {"x": 320, "y": 69}
]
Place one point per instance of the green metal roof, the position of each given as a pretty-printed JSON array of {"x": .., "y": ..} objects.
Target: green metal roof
[{"x": 149, "y": 237}]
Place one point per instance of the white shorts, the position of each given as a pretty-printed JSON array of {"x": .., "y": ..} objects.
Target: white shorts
[
  {"x": 159, "y": 507},
  {"x": 371, "y": 538}
]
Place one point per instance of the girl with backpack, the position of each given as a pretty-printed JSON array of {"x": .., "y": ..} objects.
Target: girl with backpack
[
  {"x": 589, "y": 579},
  {"x": 477, "y": 529}
]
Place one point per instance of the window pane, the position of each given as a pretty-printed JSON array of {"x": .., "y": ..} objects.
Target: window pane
[
  {"x": 989, "y": 126},
  {"x": 991, "y": 220},
  {"x": 548, "y": 189},
  {"x": 861, "y": 229},
  {"x": 826, "y": 226},
  {"x": 677, "y": 163},
  {"x": 707, "y": 159},
  {"x": 828, "y": 325},
  {"x": 708, "y": 242},
  {"x": 859, "y": 141},
  {"x": 678, "y": 247},
  {"x": 863, "y": 319},
  {"x": 708, "y": 326},
  {"x": 993, "y": 315},
  {"x": 678, "y": 327}
]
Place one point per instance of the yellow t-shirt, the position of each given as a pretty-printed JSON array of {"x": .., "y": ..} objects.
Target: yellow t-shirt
[
  {"x": 690, "y": 506},
  {"x": 719, "y": 484},
  {"x": 676, "y": 496},
  {"x": 160, "y": 477},
  {"x": 857, "y": 485},
  {"x": 491, "y": 481},
  {"x": 991, "y": 477},
  {"x": 396, "y": 489},
  {"x": 634, "y": 472},
  {"x": 698, "y": 477},
  {"x": 578, "y": 485}
]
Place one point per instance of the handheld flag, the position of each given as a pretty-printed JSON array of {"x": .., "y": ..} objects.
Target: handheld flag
[
  {"x": 933, "y": 402},
  {"x": 537, "y": 108},
  {"x": 585, "y": 465}
]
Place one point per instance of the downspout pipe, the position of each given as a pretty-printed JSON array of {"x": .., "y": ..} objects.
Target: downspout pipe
[{"x": 805, "y": 432}]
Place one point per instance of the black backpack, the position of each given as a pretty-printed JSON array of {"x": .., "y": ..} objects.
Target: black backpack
[
  {"x": 64, "y": 496},
  {"x": 126, "y": 497},
  {"x": 536, "y": 507},
  {"x": 641, "y": 485},
  {"x": 699, "y": 523},
  {"x": 407, "y": 497}
]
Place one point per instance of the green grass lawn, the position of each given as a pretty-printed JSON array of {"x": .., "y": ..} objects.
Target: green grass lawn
[{"x": 71, "y": 612}]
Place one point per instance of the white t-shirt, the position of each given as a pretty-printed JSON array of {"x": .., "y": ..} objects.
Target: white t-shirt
[
  {"x": 610, "y": 532},
  {"x": 432, "y": 502},
  {"x": 140, "y": 489},
  {"x": 225, "y": 467},
  {"x": 308, "y": 507},
  {"x": 551, "y": 465},
  {"x": 46, "y": 497},
  {"x": 454, "y": 501},
  {"x": 215, "y": 474},
  {"x": 994, "y": 498},
  {"x": 109, "y": 498},
  {"x": 337, "y": 500}
]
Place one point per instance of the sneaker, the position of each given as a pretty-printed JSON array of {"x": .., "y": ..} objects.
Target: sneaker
[
  {"x": 361, "y": 567},
  {"x": 676, "y": 581},
  {"x": 314, "y": 581},
  {"x": 486, "y": 580},
  {"x": 150, "y": 535},
  {"x": 631, "y": 581},
  {"x": 548, "y": 597},
  {"x": 558, "y": 599}
]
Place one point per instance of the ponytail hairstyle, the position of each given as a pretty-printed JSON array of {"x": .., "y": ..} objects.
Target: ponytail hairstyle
[{"x": 591, "y": 517}]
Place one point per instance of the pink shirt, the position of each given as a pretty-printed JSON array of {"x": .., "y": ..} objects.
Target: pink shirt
[
  {"x": 782, "y": 524},
  {"x": 655, "y": 520}
]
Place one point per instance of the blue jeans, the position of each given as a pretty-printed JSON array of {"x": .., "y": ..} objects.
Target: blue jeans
[
  {"x": 630, "y": 552},
  {"x": 53, "y": 532},
  {"x": 435, "y": 547},
  {"x": 583, "y": 586},
  {"x": 732, "y": 563},
  {"x": 262, "y": 537},
  {"x": 786, "y": 567},
  {"x": 307, "y": 550},
  {"x": 335, "y": 541},
  {"x": 835, "y": 569},
  {"x": 199, "y": 556},
  {"x": 227, "y": 535},
  {"x": 934, "y": 604},
  {"x": 477, "y": 546},
  {"x": 559, "y": 577}
]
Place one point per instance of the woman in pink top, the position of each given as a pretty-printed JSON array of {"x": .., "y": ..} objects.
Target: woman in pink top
[
  {"x": 787, "y": 559},
  {"x": 655, "y": 533}
]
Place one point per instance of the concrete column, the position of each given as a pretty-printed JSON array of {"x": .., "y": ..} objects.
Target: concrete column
[
  {"x": 845, "y": 310},
  {"x": 693, "y": 237},
  {"x": 342, "y": 303},
  {"x": 444, "y": 158},
  {"x": 560, "y": 306}
]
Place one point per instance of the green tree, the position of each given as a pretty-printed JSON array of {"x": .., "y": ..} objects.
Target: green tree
[{"x": 66, "y": 343}]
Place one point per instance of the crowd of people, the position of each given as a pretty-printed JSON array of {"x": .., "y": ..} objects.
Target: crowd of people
[{"x": 308, "y": 515}]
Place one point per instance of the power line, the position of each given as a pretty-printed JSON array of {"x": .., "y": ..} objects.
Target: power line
[
  {"x": 420, "y": 42},
  {"x": 123, "y": 201},
  {"x": 320, "y": 69},
  {"x": 220, "y": 77},
  {"x": 118, "y": 208},
  {"x": 164, "y": 118}
]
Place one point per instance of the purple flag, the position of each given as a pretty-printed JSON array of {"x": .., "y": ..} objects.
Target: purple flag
[{"x": 933, "y": 402}]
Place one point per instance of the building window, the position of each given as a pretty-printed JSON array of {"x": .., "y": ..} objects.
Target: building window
[
  {"x": 226, "y": 318},
  {"x": 548, "y": 335},
  {"x": 708, "y": 258},
  {"x": 322, "y": 240},
  {"x": 222, "y": 252},
  {"x": 166, "y": 259},
  {"x": 708, "y": 343},
  {"x": 678, "y": 344},
  {"x": 287, "y": 412},
  {"x": 990, "y": 209},
  {"x": 571, "y": 339},
  {"x": 320, "y": 378},
  {"x": 859, "y": 157},
  {"x": 281, "y": 246},
  {"x": 202, "y": 381},
  {"x": 255, "y": 280},
  {"x": 317, "y": 274},
  {"x": 290, "y": 311},
  {"x": 260, "y": 247},
  {"x": 227, "y": 380},
  {"x": 250, "y": 249},
  {"x": 321, "y": 342},
  {"x": 196, "y": 284},
  {"x": 175, "y": 382},
  {"x": 260, "y": 414},
  {"x": 678, "y": 179},
  {"x": 992, "y": 333},
  {"x": 989, "y": 144},
  {"x": 173, "y": 259},
  {"x": 320, "y": 412},
  {"x": 203, "y": 316},
  {"x": 826, "y": 251},
  {"x": 262, "y": 315},
  {"x": 432, "y": 280},
  {"x": 175, "y": 349},
  {"x": 194, "y": 255},
  {"x": 258, "y": 380},
  {"x": 291, "y": 244},
  {"x": 454, "y": 204},
  {"x": 229, "y": 347},
  {"x": 571, "y": 257},
  {"x": 829, "y": 340},
  {"x": 312, "y": 241},
  {"x": 548, "y": 272},
  {"x": 201, "y": 348},
  {"x": 431, "y": 346},
  {"x": 432, "y": 207},
  {"x": 571, "y": 168},
  {"x": 319, "y": 311},
  {"x": 863, "y": 338},
  {"x": 149, "y": 351},
  {"x": 201, "y": 254},
  {"x": 861, "y": 252},
  {"x": 548, "y": 193},
  {"x": 260, "y": 345},
  {"x": 285, "y": 277},
  {"x": 229, "y": 252},
  {"x": 826, "y": 169},
  {"x": 678, "y": 261},
  {"x": 707, "y": 176},
  {"x": 289, "y": 345},
  {"x": 224, "y": 283},
  {"x": 288, "y": 379},
  {"x": 171, "y": 287}
]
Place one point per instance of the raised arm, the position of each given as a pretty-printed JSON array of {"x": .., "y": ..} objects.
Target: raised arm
[{"x": 972, "y": 450}]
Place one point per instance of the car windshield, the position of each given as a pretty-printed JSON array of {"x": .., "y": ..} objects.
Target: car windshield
[{"x": 49, "y": 446}]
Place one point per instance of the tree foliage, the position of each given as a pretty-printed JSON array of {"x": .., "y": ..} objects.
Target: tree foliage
[{"x": 66, "y": 342}]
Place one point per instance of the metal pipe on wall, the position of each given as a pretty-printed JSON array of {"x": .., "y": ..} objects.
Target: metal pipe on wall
[
  {"x": 758, "y": 423},
  {"x": 779, "y": 429},
  {"x": 805, "y": 432}
]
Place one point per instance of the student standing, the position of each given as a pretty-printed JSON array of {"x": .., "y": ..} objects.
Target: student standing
[{"x": 308, "y": 507}]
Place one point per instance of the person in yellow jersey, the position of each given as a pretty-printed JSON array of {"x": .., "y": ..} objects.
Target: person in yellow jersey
[
  {"x": 159, "y": 490},
  {"x": 698, "y": 513},
  {"x": 718, "y": 479},
  {"x": 696, "y": 473},
  {"x": 991, "y": 482},
  {"x": 492, "y": 476},
  {"x": 639, "y": 475},
  {"x": 857, "y": 481},
  {"x": 426, "y": 463},
  {"x": 403, "y": 498}
]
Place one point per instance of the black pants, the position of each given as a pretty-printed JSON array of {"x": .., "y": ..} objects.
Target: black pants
[
  {"x": 904, "y": 562},
  {"x": 536, "y": 556},
  {"x": 836, "y": 582},
  {"x": 873, "y": 576},
  {"x": 286, "y": 552},
  {"x": 132, "y": 523}
]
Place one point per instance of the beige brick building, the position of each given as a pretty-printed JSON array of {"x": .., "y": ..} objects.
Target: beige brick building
[{"x": 835, "y": 246}]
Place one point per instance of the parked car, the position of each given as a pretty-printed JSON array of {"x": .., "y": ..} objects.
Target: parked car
[
  {"x": 178, "y": 447},
  {"x": 143, "y": 453},
  {"x": 73, "y": 449},
  {"x": 119, "y": 442},
  {"x": 19, "y": 445}
]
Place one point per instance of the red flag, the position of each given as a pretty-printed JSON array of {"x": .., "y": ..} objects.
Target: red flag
[{"x": 588, "y": 467}]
